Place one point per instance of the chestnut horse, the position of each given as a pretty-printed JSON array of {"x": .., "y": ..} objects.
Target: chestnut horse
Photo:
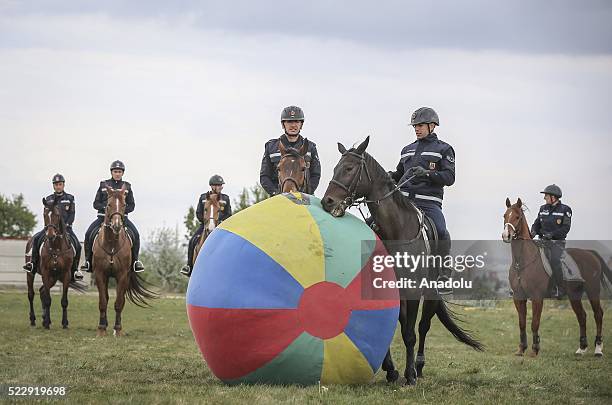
[
  {"x": 212, "y": 208},
  {"x": 112, "y": 257},
  {"x": 55, "y": 262},
  {"x": 358, "y": 175},
  {"x": 529, "y": 280},
  {"x": 292, "y": 169}
]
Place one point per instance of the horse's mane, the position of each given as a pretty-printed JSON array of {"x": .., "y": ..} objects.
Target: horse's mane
[
  {"x": 61, "y": 217},
  {"x": 381, "y": 175},
  {"x": 292, "y": 152}
]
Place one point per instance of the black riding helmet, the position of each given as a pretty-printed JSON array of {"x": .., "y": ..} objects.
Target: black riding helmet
[
  {"x": 553, "y": 189},
  {"x": 424, "y": 115},
  {"x": 216, "y": 180},
  {"x": 292, "y": 113},
  {"x": 117, "y": 164},
  {"x": 58, "y": 178}
]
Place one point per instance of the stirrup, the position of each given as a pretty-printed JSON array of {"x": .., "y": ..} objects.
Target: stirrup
[
  {"x": 138, "y": 266},
  {"x": 28, "y": 267},
  {"x": 558, "y": 293},
  {"x": 186, "y": 270}
]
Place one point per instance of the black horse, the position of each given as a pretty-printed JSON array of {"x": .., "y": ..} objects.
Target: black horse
[{"x": 358, "y": 175}]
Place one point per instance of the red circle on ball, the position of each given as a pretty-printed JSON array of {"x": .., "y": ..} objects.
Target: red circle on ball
[{"x": 324, "y": 310}]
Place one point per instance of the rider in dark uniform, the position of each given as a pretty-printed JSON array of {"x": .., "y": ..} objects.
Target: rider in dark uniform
[
  {"x": 225, "y": 211},
  {"x": 292, "y": 120},
  {"x": 117, "y": 169},
  {"x": 552, "y": 226},
  {"x": 66, "y": 205},
  {"x": 432, "y": 163}
]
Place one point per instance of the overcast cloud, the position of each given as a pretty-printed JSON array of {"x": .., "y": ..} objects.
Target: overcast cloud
[{"x": 182, "y": 92}]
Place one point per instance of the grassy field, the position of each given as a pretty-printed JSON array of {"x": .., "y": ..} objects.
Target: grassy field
[{"x": 158, "y": 361}]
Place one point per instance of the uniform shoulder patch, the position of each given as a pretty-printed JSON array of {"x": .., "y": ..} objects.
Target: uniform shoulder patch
[
  {"x": 569, "y": 214},
  {"x": 450, "y": 159}
]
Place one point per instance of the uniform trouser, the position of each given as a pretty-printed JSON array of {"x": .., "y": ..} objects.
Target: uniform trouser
[
  {"x": 554, "y": 250},
  {"x": 37, "y": 240},
  {"x": 192, "y": 244},
  {"x": 92, "y": 231},
  {"x": 433, "y": 210}
]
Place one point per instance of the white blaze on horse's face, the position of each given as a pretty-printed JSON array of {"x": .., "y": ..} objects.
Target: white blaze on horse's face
[
  {"x": 211, "y": 220},
  {"x": 508, "y": 233},
  {"x": 116, "y": 219}
]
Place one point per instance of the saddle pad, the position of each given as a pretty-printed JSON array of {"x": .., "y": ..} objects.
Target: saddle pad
[{"x": 571, "y": 272}]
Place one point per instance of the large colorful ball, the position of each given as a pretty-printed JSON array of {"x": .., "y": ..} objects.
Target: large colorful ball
[{"x": 276, "y": 296}]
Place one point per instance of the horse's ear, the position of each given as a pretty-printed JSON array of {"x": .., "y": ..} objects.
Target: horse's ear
[
  {"x": 508, "y": 203},
  {"x": 362, "y": 147},
  {"x": 305, "y": 147},
  {"x": 519, "y": 203},
  {"x": 341, "y": 148},
  {"x": 281, "y": 148},
  {"x": 44, "y": 201}
]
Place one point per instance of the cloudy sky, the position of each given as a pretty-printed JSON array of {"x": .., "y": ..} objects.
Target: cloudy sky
[{"x": 182, "y": 90}]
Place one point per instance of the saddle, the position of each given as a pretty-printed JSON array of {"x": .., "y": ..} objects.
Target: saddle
[
  {"x": 429, "y": 231},
  {"x": 570, "y": 270}
]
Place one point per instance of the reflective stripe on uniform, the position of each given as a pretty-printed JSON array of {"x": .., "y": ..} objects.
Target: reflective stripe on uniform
[
  {"x": 422, "y": 197},
  {"x": 436, "y": 154},
  {"x": 275, "y": 154},
  {"x": 428, "y": 197},
  {"x": 558, "y": 213},
  {"x": 411, "y": 153}
]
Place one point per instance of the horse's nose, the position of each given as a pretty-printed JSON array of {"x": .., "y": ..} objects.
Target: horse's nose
[{"x": 328, "y": 203}]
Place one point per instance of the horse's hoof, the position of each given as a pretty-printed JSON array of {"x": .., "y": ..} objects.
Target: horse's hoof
[
  {"x": 64, "y": 326},
  {"x": 46, "y": 327},
  {"x": 392, "y": 376},
  {"x": 533, "y": 353},
  {"x": 32, "y": 323},
  {"x": 117, "y": 332},
  {"x": 411, "y": 381},
  {"x": 599, "y": 350},
  {"x": 581, "y": 352},
  {"x": 520, "y": 351},
  {"x": 101, "y": 332}
]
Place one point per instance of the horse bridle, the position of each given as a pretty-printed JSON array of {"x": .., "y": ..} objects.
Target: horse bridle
[
  {"x": 297, "y": 186},
  {"x": 206, "y": 219},
  {"x": 515, "y": 235},
  {"x": 351, "y": 189}
]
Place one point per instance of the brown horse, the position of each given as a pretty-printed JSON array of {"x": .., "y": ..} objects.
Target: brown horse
[
  {"x": 529, "y": 280},
  {"x": 112, "y": 256},
  {"x": 212, "y": 208},
  {"x": 55, "y": 262},
  {"x": 292, "y": 169}
]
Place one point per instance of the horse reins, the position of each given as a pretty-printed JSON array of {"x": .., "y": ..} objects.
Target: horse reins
[
  {"x": 108, "y": 224},
  {"x": 515, "y": 236},
  {"x": 350, "y": 200}
]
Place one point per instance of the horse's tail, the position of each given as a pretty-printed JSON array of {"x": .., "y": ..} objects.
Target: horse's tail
[
  {"x": 448, "y": 319},
  {"x": 606, "y": 272},
  {"x": 137, "y": 292}
]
